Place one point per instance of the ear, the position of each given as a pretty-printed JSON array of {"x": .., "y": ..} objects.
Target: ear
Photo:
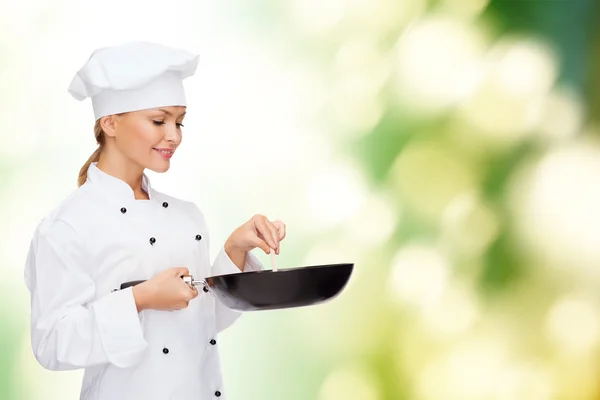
[{"x": 109, "y": 125}]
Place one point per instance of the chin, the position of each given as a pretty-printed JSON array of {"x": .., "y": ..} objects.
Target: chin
[{"x": 159, "y": 168}]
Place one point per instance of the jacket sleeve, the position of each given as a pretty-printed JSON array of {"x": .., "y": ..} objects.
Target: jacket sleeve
[
  {"x": 69, "y": 329},
  {"x": 224, "y": 265},
  {"x": 221, "y": 265}
]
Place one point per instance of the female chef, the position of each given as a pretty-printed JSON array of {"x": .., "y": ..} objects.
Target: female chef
[{"x": 157, "y": 340}]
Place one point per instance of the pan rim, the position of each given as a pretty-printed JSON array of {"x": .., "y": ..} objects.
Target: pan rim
[{"x": 283, "y": 270}]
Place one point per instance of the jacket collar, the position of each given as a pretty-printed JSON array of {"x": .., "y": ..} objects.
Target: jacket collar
[{"x": 113, "y": 185}]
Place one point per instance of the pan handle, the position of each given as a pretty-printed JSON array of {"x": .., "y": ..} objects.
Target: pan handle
[
  {"x": 196, "y": 283},
  {"x": 125, "y": 285},
  {"x": 188, "y": 279}
]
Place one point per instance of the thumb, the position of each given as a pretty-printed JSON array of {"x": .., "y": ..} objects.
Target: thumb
[{"x": 179, "y": 271}]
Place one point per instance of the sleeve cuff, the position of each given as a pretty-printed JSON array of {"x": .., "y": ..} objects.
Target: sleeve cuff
[
  {"x": 120, "y": 328},
  {"x": 223, "y": 264}
]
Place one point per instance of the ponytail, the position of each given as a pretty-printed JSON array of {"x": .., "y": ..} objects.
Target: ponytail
[{"x": 99, "y": 134}]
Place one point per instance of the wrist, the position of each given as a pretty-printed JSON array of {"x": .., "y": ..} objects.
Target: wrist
[
  {"x": 232, "y": 250},
  {"x": 142, "y": 296},
  {"x": 235, "y": 254}
]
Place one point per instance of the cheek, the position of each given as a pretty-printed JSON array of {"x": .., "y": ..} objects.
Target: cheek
[{"x": 143, "y": 136}]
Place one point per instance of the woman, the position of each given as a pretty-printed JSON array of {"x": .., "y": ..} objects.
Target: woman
[{"x": 158, "y": 339}]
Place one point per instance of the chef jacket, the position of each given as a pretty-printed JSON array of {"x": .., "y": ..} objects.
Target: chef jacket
[{"x": 98, "y": 238}]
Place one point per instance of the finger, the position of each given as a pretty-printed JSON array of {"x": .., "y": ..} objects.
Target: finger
[
  {"x": 280, "y": 229},
  {"x": 258, "y": 242},
  {"x": 191, "y": 293},
  {"x": 274, "y": 235},
  {"x": 264, "y": 231},
  {"x": 186, "y": 292},
  {"x": 180, "y": 271}
]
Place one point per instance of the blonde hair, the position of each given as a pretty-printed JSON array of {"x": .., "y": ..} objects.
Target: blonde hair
[{"x": 99, "y": 134}]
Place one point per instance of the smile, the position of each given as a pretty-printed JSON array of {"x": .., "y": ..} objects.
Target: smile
[{"x": 166, "y": 153}]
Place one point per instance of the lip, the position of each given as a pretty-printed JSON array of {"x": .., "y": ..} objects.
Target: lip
[{"x": 165, "y": 152}]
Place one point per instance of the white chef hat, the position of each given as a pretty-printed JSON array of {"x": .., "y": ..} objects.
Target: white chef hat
[{"x": 134, "y": 76}]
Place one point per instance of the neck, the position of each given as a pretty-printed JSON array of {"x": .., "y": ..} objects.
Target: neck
[{"x": 125, "y": 170}]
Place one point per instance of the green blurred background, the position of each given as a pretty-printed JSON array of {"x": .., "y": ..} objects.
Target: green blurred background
[{"x": 448, "y": 148}]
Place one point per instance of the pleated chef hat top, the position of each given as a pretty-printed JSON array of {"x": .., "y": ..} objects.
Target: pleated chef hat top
[{"x": 134, "y": 76}]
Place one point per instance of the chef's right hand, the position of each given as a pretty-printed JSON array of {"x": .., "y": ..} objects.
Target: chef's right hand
[{"x": 165, "y": 291}]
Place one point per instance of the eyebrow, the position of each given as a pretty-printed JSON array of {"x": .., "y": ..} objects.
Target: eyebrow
[{"x": 170, "y": 113}]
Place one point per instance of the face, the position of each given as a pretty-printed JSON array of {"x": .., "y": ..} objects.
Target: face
[{"x": 147, "y": 138}]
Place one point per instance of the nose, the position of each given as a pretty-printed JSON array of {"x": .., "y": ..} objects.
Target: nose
[{"x": 173, "y": 135}]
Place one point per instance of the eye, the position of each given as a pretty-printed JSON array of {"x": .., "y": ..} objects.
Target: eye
[
  {"x": 179, "y": 125},
  {"x": 158, "y": 123}
]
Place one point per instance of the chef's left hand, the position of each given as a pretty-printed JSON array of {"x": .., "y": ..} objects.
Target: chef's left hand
[{"x": 257, "y": 232}]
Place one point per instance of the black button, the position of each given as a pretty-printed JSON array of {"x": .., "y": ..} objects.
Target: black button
[
  {"x": 165, "y": 204},
  {"x": 205, "y": 289},
  {"x": 152, "y": 240},
  {"x": 166, "y": 351},
  {"x": 218, "y": 394},
  {"x": 123, "y": 210},
  {"x": 213, "y": 341},
  {"x": 198, "y": 237}
]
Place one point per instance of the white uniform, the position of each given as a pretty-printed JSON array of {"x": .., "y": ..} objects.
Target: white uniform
[{"x": 98, "y": 238}]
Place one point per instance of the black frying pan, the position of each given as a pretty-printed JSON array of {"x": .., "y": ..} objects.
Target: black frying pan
[{"x": 274, "y": 289}]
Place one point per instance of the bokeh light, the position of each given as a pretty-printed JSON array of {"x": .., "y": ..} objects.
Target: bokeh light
[{"x": 449, "y": 149}]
